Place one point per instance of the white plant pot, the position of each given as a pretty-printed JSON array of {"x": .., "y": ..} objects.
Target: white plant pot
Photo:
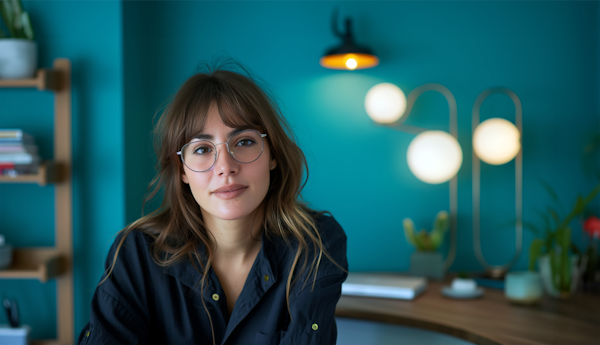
[{"x": 18, "y": 58}]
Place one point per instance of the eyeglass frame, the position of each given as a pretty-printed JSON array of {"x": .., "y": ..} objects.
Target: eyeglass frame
[{"x": 216, "y": 155}]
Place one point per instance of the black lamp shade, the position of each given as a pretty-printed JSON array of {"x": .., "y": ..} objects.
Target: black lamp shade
[{"x": 348, "y": 55}]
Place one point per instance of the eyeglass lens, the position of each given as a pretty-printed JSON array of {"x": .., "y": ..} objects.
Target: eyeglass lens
[{"x": 244, "y": 147}]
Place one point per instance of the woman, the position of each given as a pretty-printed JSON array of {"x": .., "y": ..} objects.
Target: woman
[{"x": 231, "y": 256}]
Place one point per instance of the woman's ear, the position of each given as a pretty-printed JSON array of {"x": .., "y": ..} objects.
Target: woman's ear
[
  {"x": 184, "y": 178},
  {"x": 273, "y": 164}
]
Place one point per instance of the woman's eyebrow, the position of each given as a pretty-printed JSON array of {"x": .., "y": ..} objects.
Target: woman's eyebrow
[{"x": 203, "y": 136}]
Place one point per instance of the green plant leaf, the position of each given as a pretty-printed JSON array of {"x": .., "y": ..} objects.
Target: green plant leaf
[
  {"x": 6, "y": 9},
  {"x": 409, "y": 231},
  {"x": 563, "y": 238},
  {"x": 440, "y": 226},
  {"x": 425, "y": 241},
  {"x": 554, "y": 269},
  {"x": 552, "y": 193},
  {"x": 441, "y": 221},
  {"x": 535, "y": 250},
  {"x": 554, "y": 216},
  {"x": 27, "y": 28},
  {"x": 532, "y": 227},
  {"x": 565, "y": 271},
  {"x": 549, "y": 241}
]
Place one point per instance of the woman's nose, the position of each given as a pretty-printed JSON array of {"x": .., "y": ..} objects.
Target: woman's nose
[{"x": 225, "y": 164}]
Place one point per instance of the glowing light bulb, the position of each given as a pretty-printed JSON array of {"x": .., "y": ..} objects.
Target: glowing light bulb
[
  {"x": 434, "y": 156},
  {"x": 385, "y": 103},
  {"x": 496, "y": 141},
  {"x": 351, "y": 63}
]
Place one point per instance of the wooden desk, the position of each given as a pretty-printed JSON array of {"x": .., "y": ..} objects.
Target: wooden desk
[{"x": 489, "y": 320}]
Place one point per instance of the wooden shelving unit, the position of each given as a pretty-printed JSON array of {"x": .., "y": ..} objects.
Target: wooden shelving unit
[
  {"x": 44, "y": 263},
  {"x": 34, "y": 263},
  {"x": 47, "y": 173}
]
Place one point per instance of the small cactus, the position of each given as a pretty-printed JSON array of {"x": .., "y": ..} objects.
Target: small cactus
[{"x": 424, "y": 241}]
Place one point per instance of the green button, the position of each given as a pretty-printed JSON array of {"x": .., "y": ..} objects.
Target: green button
[
  {"x": 87, "y": 334},
  {"x": 266, "y": 278},
  {"x": 215, "y": 297},
  {"x": 315, "y": 326}
]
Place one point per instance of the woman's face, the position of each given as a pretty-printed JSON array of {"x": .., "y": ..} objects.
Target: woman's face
[{"x": 229, "y": 190}]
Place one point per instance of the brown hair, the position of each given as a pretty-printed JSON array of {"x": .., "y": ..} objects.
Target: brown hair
[{"x": 177, "y": 226}]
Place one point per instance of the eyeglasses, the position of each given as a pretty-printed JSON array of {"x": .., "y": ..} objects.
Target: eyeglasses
[{"x": 201, "y": 155}]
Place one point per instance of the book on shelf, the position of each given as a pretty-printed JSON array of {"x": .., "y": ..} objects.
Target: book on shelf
[
  {"x": 14, "y": 170},
  {"x": 383, "y": 285},
  {"x": 19, "y": 158},
  {"x": 18, "y": 153},
  {"x": 17, "y": 148},
  {"x": 15, "y": 135}
]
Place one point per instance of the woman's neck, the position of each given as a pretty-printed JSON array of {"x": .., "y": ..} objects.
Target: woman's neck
[{"x": 238, "y": 241}]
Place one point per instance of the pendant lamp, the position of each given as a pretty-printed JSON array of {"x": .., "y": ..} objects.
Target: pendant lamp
[{"x": 348, "y": 55}]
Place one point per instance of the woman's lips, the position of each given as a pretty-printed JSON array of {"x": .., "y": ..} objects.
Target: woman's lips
[{"x": 230, "y": 193}]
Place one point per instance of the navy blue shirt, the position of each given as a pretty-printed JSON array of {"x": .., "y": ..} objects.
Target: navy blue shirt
[{"x": 144, "y": 303}]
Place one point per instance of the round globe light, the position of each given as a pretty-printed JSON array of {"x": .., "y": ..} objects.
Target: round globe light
[
  {"x": 434, "y": 156},
  {"x": 496, "y": 141},
  {"x": 385, "y": 103}
]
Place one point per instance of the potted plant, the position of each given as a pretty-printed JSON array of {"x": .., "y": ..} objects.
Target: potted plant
[
  {"x": 551, "y": 250},
  {"x": 426, "y": 261},
  {"x": 18, "y": 51},
  {"x": 591, "y": 276}
]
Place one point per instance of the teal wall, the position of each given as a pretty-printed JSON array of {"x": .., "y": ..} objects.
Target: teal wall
[
  {"x": 129, "y": 57},
  {"x": 89, "y": 33}
]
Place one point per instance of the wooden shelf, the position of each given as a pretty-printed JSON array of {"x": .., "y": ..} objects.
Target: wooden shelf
[
  {"x": 34, "y": 263},
  {"x": 46, "y": 79},
  {"x": 47, "y": 173},
  {"x": 48, "y": 263}
]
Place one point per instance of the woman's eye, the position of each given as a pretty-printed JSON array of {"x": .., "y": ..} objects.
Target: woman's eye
[
  {"x": 202, "y": 150},
  {"x": 245, "y": 142}
]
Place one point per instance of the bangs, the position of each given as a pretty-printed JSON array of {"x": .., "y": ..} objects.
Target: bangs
[{"x": 235, "y": 108}]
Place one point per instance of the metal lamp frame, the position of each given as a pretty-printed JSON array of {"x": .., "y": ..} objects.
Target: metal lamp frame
[
  {"x": 453, "y": 183},
  {"x": 500, "y": 270}
]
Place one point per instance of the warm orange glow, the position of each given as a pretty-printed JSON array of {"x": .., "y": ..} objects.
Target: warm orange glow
[{"x": 340, "y": 61}]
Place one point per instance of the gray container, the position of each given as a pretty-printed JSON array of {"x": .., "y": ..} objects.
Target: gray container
[{"x": 427, "y": 264}]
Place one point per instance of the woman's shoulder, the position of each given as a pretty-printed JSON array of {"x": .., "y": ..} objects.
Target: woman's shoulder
[
  {"x": 330, "y": 230},
  {"x": 131, "y": 250}
]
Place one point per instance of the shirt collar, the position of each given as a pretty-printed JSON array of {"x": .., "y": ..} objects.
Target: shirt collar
[{"x": 271, "y": 255}]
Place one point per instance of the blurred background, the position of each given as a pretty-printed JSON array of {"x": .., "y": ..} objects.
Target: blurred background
[{"x": 129, "y": 57}]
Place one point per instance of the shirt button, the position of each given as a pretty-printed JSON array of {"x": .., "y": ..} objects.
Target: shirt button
[
  {"x": 215, "y": 297},
  {"x": 315, "y": 326},
  {"x": 266, "y": 278}
]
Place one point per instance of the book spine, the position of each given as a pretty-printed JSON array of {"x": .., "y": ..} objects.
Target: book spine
[
  {"x": 19, "y": 158},
  {"x": 15, "y": 148},
  {"x": 14, "y": 135}
]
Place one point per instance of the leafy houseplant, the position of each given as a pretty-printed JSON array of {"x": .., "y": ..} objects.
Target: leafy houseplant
[
  {"x": 18, "y": 51},
  {"x": 555, "y": 241},
  {"x": 426, "y": 261},
  {"x": 591, "y": 277}
]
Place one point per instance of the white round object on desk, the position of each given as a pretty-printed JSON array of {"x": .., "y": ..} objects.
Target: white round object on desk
[{"x": 463, "y": 285}]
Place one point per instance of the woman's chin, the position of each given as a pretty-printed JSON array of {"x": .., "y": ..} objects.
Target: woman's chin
[{"x": 232, "y": 214}]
